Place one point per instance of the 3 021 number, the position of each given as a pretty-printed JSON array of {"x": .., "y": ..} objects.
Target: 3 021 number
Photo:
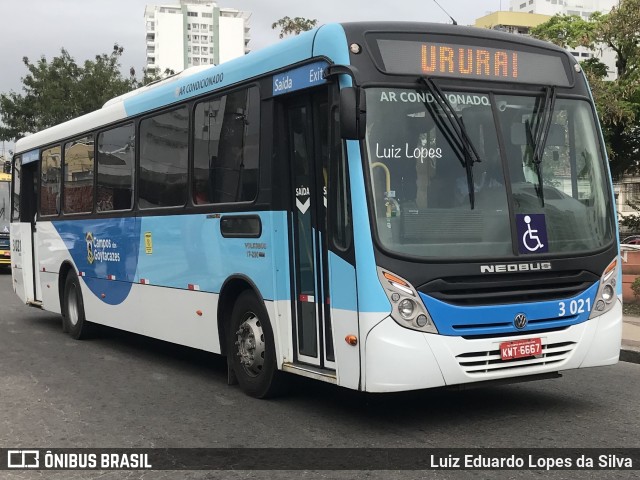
[{"x": 574, "y": 307}]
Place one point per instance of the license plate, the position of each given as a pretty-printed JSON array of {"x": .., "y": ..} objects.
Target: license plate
[{"x": 521, "y": 348}]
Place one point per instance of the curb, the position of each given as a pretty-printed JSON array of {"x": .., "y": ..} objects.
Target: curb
[{"x": 628, "y": 355}]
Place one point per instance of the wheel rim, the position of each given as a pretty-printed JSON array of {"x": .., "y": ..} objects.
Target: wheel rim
[
  {"x": 250, "y": 344},
  {"x": 72, "y": 305}
]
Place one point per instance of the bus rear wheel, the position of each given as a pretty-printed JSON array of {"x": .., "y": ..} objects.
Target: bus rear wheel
[
  {"x": 251, "y": 348},
  {"x": 73, "y": 319}
]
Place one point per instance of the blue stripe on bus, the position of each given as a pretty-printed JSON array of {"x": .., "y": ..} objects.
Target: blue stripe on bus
[
  {"x": 342, "y": 284},
  {"x": 228, "y": 73},
  {"x": 103, "y": 248},
  {"x": 185, "y": 250},
  {"x": 498, "y": 319}
]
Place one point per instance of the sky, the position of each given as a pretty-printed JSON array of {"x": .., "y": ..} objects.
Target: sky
[{"x": 33, "y": 28}]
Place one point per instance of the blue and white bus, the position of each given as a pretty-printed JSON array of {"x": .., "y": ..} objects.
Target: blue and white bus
[{"x": 381, "y": 206}]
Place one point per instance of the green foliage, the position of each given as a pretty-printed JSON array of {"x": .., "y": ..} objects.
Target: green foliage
[
  {"x": 568, "y": 30},
  {"x": 58, "y": 90},
  {"x": 635, "y": 287},
  {"x": 618, "y": 102},
  {"x": 594, "y": 68},
  {"x": 294, "y": 26}
]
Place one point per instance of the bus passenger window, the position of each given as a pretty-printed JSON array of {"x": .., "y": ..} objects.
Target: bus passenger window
[
  {"x": 116, "y": 158},
  {"x": 50, "y": 182},
  {"x": 164, "y": 141},
  {"x": 225, "y": 161},
  {"x": 78, "y": 176}
]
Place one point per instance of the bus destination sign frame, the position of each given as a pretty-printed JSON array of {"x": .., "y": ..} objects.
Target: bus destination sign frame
[{"x": 461, "y": 58}]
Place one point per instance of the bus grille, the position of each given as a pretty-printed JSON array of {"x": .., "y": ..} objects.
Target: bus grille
[
  {"x": 510, "y": 288},
  {"x": 476, "y": 363}
]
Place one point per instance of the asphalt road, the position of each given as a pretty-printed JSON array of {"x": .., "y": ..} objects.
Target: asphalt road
[{"x": 124, "y": 390}]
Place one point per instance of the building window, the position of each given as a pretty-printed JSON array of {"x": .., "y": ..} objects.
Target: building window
[
  {"x": 192, "y": 14},
  {"x": 78, "y": 176},
  {"x": 226, "y": 148},
  {"x": 116, "y": 158},
  {"x": 204, "y": 38},
  {"x": 204, "y": 26},
  {"x": 188, "y": 26},
  {"x": 205, "y": 50},
  {"x": 196, "y": 50},
  {"x": 211, "y": 28},
  {"x": 207, "y": 15},
  {"x": 530, "y": 2},
  {"x": 164, "y": 141},
  {"x": 50, "y": 177},
  {"x": 523, "y": 5}
]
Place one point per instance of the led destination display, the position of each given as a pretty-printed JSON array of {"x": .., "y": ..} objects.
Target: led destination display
[{"x": 453, "y": 59}]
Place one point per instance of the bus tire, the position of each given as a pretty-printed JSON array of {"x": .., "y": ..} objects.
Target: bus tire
[
  {"x": 251, "y": 351},
  {"x": 73, "y": 319}
]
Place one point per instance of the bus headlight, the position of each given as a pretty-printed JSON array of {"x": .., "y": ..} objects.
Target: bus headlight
[
  {"x": 407, "y": 308},
  {"x": 606, "y": 292}
]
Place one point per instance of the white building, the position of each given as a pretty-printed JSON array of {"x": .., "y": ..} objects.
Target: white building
[
  {"x": 581, "y": 8},
  {"x": 192, "y": 33}
]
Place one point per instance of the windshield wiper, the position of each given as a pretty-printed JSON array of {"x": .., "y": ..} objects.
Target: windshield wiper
[
  {"x": 543, "y": 125},
  {"x": 457, "y": 132}
]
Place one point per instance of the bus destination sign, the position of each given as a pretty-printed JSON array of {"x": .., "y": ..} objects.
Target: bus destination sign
[{"x": 472, "y": 61}]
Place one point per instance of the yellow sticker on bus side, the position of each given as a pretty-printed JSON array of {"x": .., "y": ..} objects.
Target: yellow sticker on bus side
[{"x": 148, "y": 243}]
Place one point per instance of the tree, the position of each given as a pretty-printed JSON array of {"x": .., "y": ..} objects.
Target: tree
[
  {"x": 59, "y": 90},
  {"x": 618, "y": 101},
  {"x": 294, "y": 26}
]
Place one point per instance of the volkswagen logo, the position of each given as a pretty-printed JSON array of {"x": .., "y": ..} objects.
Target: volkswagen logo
[{"x": 520, "y": 321}]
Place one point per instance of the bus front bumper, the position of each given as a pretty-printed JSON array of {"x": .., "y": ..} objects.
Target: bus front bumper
[{"x": 398, "y": 359}]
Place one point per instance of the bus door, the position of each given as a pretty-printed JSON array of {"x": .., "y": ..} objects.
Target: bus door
[
  {"x": 23, "y": 229},
  {"x": 307, "y": 126}
]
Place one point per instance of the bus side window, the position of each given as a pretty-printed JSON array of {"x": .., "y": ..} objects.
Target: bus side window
[
  {"x": 225, "y": 156},
  {"x": 78, "y": 176},
  {"x": 50, "y": 176},
  {"x": 164, "y": 141},
  {"x": 116, "y": 156}
]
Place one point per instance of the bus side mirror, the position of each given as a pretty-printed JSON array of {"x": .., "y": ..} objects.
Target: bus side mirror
[{"x": 352, "y": 113}]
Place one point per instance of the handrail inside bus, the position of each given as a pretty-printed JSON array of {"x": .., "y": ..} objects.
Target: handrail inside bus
[{"x": 387, "y": 174}]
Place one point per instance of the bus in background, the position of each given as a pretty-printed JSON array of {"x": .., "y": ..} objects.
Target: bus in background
[
  {"x": 5, "y": 216},
  {"x": 381, "y": 206}
]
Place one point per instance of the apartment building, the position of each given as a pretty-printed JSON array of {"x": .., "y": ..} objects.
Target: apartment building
[{"x": 193, "y": 33}]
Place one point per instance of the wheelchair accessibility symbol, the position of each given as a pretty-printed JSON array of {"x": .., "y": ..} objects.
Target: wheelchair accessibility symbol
[{"x": 532, "y": 233}]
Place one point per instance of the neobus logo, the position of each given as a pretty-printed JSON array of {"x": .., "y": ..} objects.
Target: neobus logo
[{"x": 515, "y": 267}]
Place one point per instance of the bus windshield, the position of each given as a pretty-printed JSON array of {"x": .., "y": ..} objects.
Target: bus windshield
[
  {"x": 433, "y": 198},
  {"x": 4, "y": 207}
]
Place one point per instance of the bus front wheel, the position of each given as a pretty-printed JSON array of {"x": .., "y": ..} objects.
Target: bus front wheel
[
  {"x": 73, "y": 319},
  {"x": 251, "y": 348}
]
